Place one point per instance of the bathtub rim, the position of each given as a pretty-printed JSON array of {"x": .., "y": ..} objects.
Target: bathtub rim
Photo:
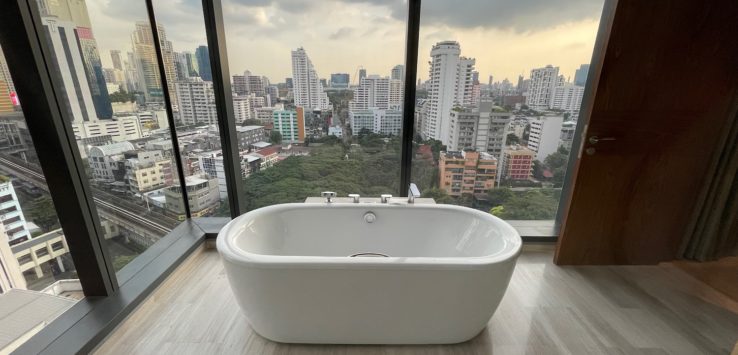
[{"x": 225, "y": 245}]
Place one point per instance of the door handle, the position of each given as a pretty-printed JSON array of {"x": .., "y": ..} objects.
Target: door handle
[{"x": 595, "y": 139}]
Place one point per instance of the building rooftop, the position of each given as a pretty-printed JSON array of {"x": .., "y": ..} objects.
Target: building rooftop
[
  {"x": 24, "y": 312},
  {"x": 114, "y": 148},
  {"x": 247, "y": 128}
]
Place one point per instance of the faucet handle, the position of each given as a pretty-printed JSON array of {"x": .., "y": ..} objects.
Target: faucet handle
[
  {"x": 385, "y": 197},
  {"x": 328, "y": 195},
  {"x": 355, "y": 197}
]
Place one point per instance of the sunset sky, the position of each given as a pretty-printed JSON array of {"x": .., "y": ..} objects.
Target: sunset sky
[{"x": 507, "y": 38}]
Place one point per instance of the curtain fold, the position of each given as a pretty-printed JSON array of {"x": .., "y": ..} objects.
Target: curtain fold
[{"x": 713, "y": 231}]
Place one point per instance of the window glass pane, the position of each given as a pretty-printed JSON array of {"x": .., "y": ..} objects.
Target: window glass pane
[
  {"x": 106, "y": 71},
  {"x": 319, "y": 88},
  {"x": 499, "y": 91},
  {"x": 189, "y": 76},
  {"x": 36, "y": 270}
]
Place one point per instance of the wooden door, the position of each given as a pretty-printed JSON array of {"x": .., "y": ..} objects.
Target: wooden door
[{"x": 663, "y": 85}]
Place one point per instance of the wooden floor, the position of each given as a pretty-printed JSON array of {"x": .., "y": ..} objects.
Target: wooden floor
[{"x": 546, "y": 310}]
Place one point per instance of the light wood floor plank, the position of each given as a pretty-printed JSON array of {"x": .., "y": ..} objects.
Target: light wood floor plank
[{"x": 546, "y": 310}]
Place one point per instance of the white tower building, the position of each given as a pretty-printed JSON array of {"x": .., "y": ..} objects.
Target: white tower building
[
  {"x": 450, "y": 83},
  {"x": 308, "y": 91},
  {"x": 541, "y": 88}
]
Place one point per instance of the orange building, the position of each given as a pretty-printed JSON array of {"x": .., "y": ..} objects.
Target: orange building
[
  {"x": 517, "y": 163},
  {"x": 6, "y": 103},
  {"x": 467, "y": 172}
]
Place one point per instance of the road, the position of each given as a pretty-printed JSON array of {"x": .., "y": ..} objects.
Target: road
[{"x": 115, "y": 208}]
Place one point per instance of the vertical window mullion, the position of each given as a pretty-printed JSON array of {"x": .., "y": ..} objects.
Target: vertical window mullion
[
  {"x": 215, "y": 30},
  {"x": 168, "y": 103},
  {"x": 408, "y": 112}
]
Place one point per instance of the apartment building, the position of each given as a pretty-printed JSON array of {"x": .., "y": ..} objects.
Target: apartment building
[
  {"x": 467, "y": 172},
  {"x": 545, "y": 135},
  {"x": 517, "y": 163},
  {"x": 291, "y": 124},
  {"x": 387, "y": 122},
  {"x": 202, "y": 192}
]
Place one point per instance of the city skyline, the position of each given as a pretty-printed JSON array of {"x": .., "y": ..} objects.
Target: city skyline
[{"x": 565, "y": 40}]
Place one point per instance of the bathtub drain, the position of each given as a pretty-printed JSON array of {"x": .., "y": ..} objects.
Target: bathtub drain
[{"x": 370, "y": 255}]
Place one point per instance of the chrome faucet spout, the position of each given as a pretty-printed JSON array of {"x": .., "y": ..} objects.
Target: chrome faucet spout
[{"x": 412, "y": 193}]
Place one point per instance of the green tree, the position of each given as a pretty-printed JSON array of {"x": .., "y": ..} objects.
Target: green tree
[
  {"x": 275, "y": 137},
  {"x": 437, "y": 194},
  {"x": 499, "y": 196},
  {"x": 557, "y": 163},
  {"x": 512, "y": 139},
  {"x": 43, "y": 213},
  {"x": 122, "y": 260},
  {"x": 538, "y": 168},
  {"x": 533, "y": 204},
  {"x": 122, "y": 96}
]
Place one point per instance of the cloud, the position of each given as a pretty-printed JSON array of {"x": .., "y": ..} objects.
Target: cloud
[
  {"x": 516, "y": 15},
  {"x": 343, "y": 32}
]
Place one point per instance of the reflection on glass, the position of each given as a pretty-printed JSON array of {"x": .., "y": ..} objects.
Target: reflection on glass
[
  {"x": 116, "y": 112},
  {"x": 318, "y": 103},
  {"x": 37, "y": 274},
  {"x": 500, "y": 145}
]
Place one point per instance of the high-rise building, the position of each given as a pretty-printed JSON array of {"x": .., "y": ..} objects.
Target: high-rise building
[
  {"x": 340, "y": 80},
  {"x": 467, "y": 172},
  {"x": 181, "y": 66},
  {"x": 117, "y": 61},
  {"x": 6, "y": 104},
  {"x": 5, "y": 73},
  {"x": 545, "y": 135},
  {"x": 567, "y": 97},
  {"x": 450, "y": 84},
  {"x": 362, "y": 74},
  {"x": 75, "y": 12},
  {"x": 482, "y": 128},
  {"x": 291, "y": 124},
  {"x": 70, "y": 65},
  {"x": 203, "y": 63},
  {"x": 12, "y": 276},
  {"x": 541, "y": 88},
  {"x": 398, "y": 72},
  {"x": 250, "y": 84},
  {"x": 387, "y": 122},
  {"x": 568, "y": 130},
  {"x": 580, "y": 75},
  {"x": 308, "y": 91},
  {"x": 517, "y": 163},
  {"x": 241, "y": 108},
  {"x": 372, "y": 92},
  {"x": 146, "y": 63},
  {"x": 196, "y": 101},
  {"x": 396, "y": 93},
  {"x": 11, "y": 215}
]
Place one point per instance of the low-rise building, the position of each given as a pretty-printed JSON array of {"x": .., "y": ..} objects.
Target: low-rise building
[
  {"x": 517, "y": 163},
  {"x": 248, "y": 135},
  {"x": 11, "y": 216},
  {"x": 119, "y": 128},
  {"x": 467, "y": 172},
  {"x": 202, "y": 192}
]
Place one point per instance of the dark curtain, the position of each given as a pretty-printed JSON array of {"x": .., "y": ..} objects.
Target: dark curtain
[{"x": 713, "y": 232}]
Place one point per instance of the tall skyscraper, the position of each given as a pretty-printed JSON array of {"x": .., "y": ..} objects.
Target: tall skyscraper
[
  {"x": 308, "y": 91},
  {"x": 75, "y": 12},
  {"x": 203, "y": 63},
  {"x": 450, "y": 84},
  {"x": 70, "y": 66},
  {"x": 5, "y": 72},
  {"x": 146, "y": 62},
  {"x": 6, "y": 104},
  {"x": 117, "y": 61},
  {"x": 396, "y": 93},
  {"x": 580, "y": 76},
  {"x": 542, "y": 84},
  {"x": 398, "y": 72},
  {"x": 362, "y": 74},
  {"x": 567, "y": 97}
]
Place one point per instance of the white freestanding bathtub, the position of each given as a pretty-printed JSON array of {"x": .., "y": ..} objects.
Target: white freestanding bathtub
[{"x": 445, "y": 272}]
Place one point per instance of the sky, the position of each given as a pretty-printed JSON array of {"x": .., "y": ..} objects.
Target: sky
[{"x": 506, "y": 37}]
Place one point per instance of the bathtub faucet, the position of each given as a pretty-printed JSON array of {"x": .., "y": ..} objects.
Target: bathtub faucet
[
  {"x": 412, "y": 193},
  {"x": 328, "y": 195}
]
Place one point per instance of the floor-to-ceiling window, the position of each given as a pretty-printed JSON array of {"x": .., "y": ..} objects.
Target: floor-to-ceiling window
[{"x": 500, "y": 86}]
